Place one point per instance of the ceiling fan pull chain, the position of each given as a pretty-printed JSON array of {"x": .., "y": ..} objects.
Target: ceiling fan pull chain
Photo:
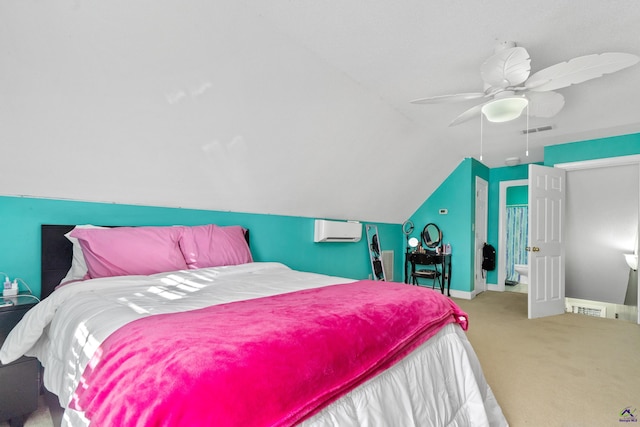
[
  {"x": 527, "y": 133},
  {"x": 481, "y": 137}
]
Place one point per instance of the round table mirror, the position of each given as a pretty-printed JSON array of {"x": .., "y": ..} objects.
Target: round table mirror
[
  {"x": 431, "y": 235},
  {"x": 413, "y": 242}
]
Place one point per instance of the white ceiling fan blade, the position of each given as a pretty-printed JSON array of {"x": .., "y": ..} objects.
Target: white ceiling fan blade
[
  {"x": 578, "y": 70},
  {"x": 509, "y": 67},
  {"x": 467, "y": 115},
  {"x": 544, "y": 104},
  {"x": 442, "y": 99}
]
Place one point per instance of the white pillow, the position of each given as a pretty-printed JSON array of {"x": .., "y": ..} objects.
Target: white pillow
[{"x": 78, "y": 265}]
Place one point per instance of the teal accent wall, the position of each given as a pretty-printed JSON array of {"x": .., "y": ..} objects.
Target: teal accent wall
[
  {"x": 290, "y": 239},
  {"x": 518, "y": 195},
  {"x": 614, "y": 146},
  {"x": 283, "y": 239},
  {"x": 457, "y": 195}
]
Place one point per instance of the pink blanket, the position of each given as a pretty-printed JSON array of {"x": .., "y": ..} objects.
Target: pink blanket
[{"x": 270, "y": 361}]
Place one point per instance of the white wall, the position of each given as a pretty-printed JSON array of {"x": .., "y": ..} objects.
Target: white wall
[
  {"x": 601, "y": 225},
  {"x": 195, "y": 104}
]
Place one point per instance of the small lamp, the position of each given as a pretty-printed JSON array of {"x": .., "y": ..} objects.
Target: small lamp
[
  {"x": 413, "y": 242},
  {"x": 632, "y": 261}
]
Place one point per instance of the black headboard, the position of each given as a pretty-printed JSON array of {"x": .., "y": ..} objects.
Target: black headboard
[{"x": 57, "y": 253}]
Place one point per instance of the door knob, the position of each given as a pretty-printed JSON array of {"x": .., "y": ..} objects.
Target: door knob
[{"x": 535, "y": 249}]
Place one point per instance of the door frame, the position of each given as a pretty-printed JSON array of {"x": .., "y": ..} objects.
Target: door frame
[
  {"x": 502, "y": 231},
  {"x": 480, "y": 236}
]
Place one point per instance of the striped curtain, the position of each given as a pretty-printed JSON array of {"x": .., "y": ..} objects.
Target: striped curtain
[{"x": 517, "y": 233}]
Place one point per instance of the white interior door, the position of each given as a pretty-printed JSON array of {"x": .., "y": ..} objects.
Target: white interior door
[
  {"x": 480, "y": 281},
  {"x": 546, "y": 244}
]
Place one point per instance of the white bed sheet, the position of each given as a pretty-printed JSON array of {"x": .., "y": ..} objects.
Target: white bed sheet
[{"x": 441, "y": 383}]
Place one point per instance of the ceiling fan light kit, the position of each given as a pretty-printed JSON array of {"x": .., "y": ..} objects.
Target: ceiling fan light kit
[{"x": 504, "y": 109}]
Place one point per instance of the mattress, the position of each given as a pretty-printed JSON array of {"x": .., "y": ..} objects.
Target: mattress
[{"x": 440, "y": 383}]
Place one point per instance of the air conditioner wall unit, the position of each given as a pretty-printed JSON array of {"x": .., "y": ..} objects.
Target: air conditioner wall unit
[{"x": 337, "y": 231}]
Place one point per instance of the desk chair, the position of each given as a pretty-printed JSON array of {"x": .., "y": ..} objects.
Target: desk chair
[
  {"x": 429, "y": 260},
  {"x": 432, "y": 274}
]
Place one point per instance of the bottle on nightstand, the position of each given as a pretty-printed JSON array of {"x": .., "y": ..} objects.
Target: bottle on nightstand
[{"x": 10, "y": 288}]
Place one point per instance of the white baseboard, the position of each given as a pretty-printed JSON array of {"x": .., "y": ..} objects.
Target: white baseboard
[
  {"x": 471, "y": 295},
  {"x": 495, "y": 288},
  {"x": 462, "y": 294}
]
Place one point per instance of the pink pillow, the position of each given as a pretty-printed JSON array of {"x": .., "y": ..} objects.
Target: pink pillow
[
  {"x": 124, "y": 251},
  {"x": 213, "y": 246},
  {"x": 78, "y": 270}
]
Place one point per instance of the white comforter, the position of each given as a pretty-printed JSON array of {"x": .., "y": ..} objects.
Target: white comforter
[{"x": 439, "y": 384}]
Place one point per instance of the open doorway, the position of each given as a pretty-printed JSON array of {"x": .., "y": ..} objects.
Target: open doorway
[
  {"x": 516, "y": 239},
  {"x": 600, "y": 233},
  {"x": 510, "y": 252}
]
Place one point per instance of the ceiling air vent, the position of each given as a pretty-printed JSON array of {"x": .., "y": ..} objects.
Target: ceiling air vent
[{"x": 534, "y": 130}]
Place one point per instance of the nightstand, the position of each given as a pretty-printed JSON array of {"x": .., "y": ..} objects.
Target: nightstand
[{"x": 19, "y": 380}]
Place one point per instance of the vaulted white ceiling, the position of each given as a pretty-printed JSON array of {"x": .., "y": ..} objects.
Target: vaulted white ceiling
[
  {"x": 416, "y": 49},
  {"x": 284, "y": 107}
]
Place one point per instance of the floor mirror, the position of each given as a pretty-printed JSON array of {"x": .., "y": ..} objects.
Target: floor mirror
[{"x": 373, "y": 244}]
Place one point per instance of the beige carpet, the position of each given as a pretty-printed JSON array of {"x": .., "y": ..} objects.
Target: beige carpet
[{"x": 566, "y": 370}]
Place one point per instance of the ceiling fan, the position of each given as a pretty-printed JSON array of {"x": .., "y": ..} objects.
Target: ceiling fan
[{"x": 509, "y": 89}]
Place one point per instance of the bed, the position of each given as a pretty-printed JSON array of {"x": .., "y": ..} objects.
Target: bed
[{"x": 228, "y": 341}]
